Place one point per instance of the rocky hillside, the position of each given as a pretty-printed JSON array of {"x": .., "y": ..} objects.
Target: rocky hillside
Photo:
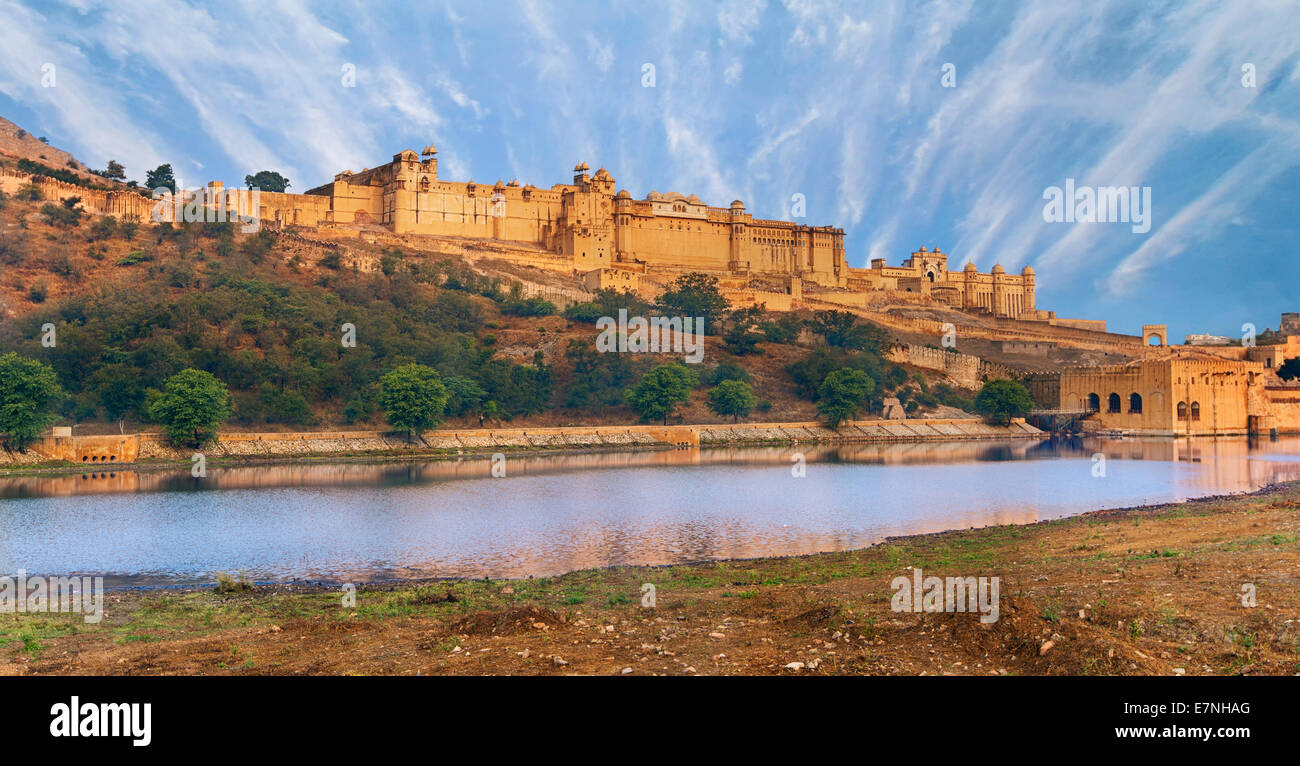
[{"x": 17, "y": 143}]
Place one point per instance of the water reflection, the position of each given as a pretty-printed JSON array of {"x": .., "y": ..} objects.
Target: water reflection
[{"x": 350, "y": 522}]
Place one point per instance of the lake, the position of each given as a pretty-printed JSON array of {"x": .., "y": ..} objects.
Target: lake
[{"x": 549, "y": 514}]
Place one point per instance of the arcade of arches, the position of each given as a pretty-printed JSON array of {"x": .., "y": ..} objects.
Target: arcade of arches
[{"x": 1174, "y": 395}]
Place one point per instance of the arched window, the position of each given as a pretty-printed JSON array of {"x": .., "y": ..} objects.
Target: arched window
[
  {"x": 424, "y": 184},
  {"x": 1182, "y": 410},
  {"x": 931, "y": 275},
  {"x": 1094, "y": 403},
  {"x": 1112, "y": 403},
  {"x": 1135, "y": 403},
  {"x": 1196, "y": 410}
]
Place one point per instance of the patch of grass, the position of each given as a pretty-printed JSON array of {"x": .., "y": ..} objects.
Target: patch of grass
[{"x": 228, "y": 583}]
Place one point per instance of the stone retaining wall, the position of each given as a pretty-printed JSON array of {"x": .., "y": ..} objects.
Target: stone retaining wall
[{"x": 99, "y": 451}]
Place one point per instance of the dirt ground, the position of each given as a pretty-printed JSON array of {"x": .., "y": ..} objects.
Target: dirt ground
[{"x": 1152, "y": 591}]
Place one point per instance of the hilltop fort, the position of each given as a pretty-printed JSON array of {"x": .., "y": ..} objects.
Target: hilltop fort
[{"x": 596, "y": 236}]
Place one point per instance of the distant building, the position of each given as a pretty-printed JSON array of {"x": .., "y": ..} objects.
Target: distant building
[
  {"x": 1178, "y": 394},
  {"x": 1205, "y": 339}
]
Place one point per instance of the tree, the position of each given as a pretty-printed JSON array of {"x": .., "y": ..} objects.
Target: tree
[
  {"x": 598, "y": 380},
  {"x": 192, "y": 406},
  {"x": 842, "y": 393},
  {"x": 413, "y": 398},
  {"x": 267, "y": 180},
  {"x": 1001, "y": 400},
  {"x": 114, "y": 171},
  {"x": 29, "y": 393},
  {"x": 63, "y": 216},
  {"x": 695, "y": 295},
  {"x": 119, "y": 391},
  {"x": 464, "y": 395},
  {"x": 1290, "y": 369},
  {"x": 740, "y": 337},
  {"x": 160, "y": 177},
  {"x": 841, "y": 330},
  {"x": 732, "y": 397},
  {"x": 661, "y": 389}
]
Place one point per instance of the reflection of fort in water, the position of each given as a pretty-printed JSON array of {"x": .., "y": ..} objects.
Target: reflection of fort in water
[
  {"x": 1229, "y": 463},
  {"x": 360, "y": 521}
]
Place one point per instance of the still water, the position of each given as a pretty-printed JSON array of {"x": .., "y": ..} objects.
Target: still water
[{"x": 550, "y": 514}]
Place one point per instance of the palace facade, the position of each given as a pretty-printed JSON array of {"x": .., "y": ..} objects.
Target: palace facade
[{"x": 1182, "y": 392}]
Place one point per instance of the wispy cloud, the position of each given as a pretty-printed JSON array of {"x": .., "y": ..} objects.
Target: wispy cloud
[{"x": 841, "y": 101}]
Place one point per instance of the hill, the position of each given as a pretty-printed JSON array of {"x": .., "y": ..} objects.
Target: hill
[
  {"x": 18, "y": 144},
  {"x": 132, "y": 304}
]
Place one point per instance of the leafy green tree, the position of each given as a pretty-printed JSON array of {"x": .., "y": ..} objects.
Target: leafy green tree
[
  {"x": 266, "y": 180},
  {"x": 725, "y": 370},
  {"x": 741, "y": 337},
  {"x": 192, "y": 407},
  {"x": 607, "y": 303},
  {"x": 160, "y": 177},
  {"x": 598, "y": 379},
  {"x": 413, "y": 398},
  {"x": 29, "y": 394},
  {"x": 63, "y": 216},
  {"x": 661, "y": 389},
  {"x": 841, "y": 329},
  {"x": 1001, "y": 400},
  {"x": 732, "y": 397},
  {"x": 488, "y": 411},
  {"x": 1290, "y": 369},
  {"x": 114, "y": 171},
  {"x": 695, "y": 295},
  {"x": 464, "y": 395},
  {"x": 285, "y": 406},
  {"x": 842, "y": 393},
  {"x": 785, "y": 329},
  {"x": 118, "y": 389}
]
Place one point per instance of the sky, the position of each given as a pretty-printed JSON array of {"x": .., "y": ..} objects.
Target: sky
[{"x": 907, "y": 124}]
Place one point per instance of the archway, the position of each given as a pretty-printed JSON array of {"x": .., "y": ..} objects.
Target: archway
[
  {"x": 1135, "y": 403},
  {"x": 1112, "y": 403},
  {"x": 1094, "y": 403},
  {"x": 1155, "y": 335}
]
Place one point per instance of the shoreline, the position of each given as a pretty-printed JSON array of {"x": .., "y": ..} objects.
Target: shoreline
[
  {"x": 1145, "y": 590},
  {"x": 400, "y": 583},
  {"x": 576, "y": 440}
]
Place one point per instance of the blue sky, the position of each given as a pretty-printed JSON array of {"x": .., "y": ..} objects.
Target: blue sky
[{"x": 841, "y": 102}]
